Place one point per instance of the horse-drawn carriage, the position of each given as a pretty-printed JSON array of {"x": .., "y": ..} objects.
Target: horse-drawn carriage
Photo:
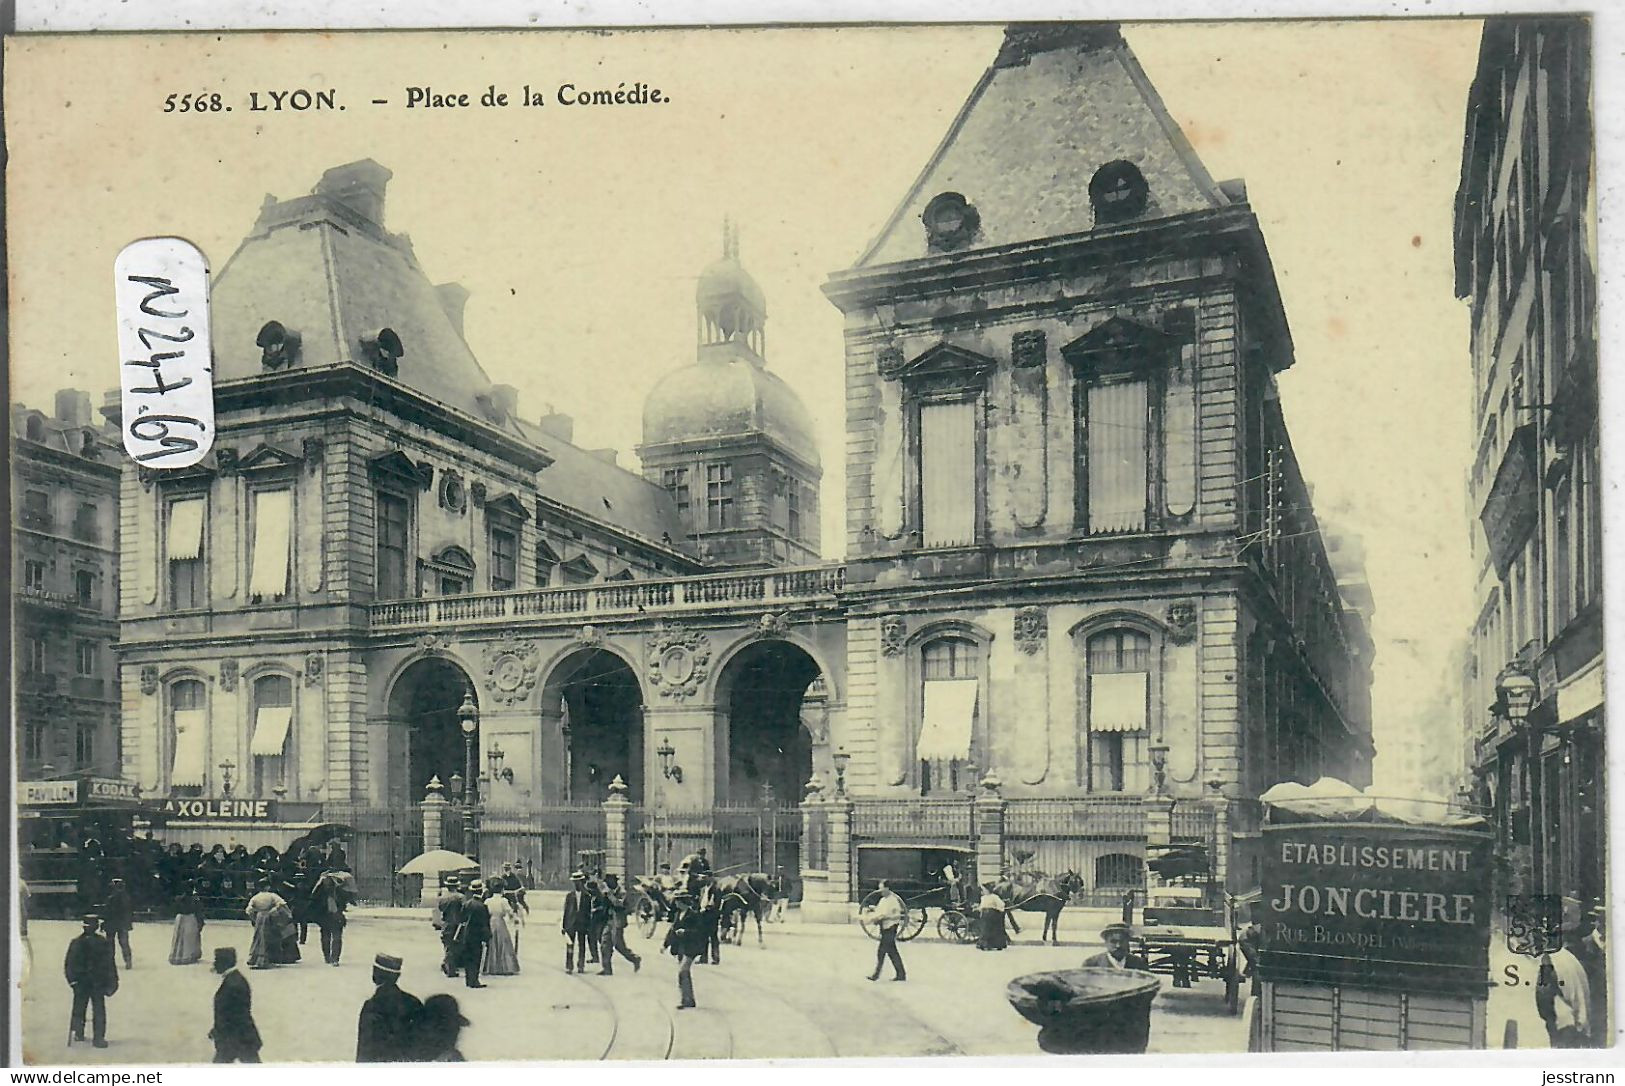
[
  {"x": 917, "y": 874},
  {"x": 1189, "y": 925}
]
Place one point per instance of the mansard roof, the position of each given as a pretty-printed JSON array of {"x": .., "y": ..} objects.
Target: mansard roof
[{"x": 1060, "y": 102}]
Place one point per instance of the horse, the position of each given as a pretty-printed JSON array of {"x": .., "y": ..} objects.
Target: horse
[
  {"x": 754, "y": 893},
  {"x": 1034, "y": 892}
]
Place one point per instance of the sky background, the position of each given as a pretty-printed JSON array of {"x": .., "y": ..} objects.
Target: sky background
[{"x": 580, "y": 232}]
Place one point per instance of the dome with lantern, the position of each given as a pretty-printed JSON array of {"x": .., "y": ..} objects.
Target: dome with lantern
[{"x": 728, "y": 392}]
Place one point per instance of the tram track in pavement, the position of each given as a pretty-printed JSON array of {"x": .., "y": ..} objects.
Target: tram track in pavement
[{"x": 633, "y": 1047}]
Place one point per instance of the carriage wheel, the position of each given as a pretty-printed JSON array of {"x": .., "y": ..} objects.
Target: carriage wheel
[
  {"x": 871, "y": 929},
  {"x": 648, "y": 917},
  {"x": 956, "y": 927},
  {"x": 913, "y": 923}
]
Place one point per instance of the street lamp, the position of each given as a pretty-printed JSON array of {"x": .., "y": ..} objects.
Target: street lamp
[
  {"x": 468, "y": 718},
  {"x": 668, "y": 765},
  {"x": 840, "y": 758},
  {"x": 1517, "y": 691},
  {"x": 225, "y": 777}
]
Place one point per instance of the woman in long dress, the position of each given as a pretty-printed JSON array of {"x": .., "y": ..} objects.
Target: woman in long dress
[
  {"x": 262, "y": 912},
  {"x": 991, "y": 910},
  {"x": 502, "y": 953},
  {"x": 186, "y": 947}
]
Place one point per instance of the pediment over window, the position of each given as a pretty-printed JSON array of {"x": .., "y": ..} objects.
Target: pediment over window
[
  {"x": 507, "y": 505},
  {"x": 455, "y": 558},
  {"x": 946, "y": 362},
  {"x": 398, "y": 467},
  {"x": 268, "y": 458},
  {"x": 1120, "y": 345},
  {"x": 580, "y": 566},
  {"x": 546, "y": 553}
]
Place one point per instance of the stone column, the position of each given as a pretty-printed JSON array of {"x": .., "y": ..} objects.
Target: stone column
[
  {"x": 434, "y": 832},
  {"x": 989, "y": 841},
  {"x": 838, "y": 815},
  {"x": 1159, "y": 820},
  {"x": 615, "y": 823},
  {"x": 1222, "y": 843}
]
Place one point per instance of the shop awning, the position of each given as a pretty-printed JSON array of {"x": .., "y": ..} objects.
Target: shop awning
[
  {"x": 950, "y": 709},
  {"x": 190, "y": 725},
  {"x": 1117, "y": 702},
  {"x": 270, "y": 730},
  {"x": 273, "y": 517},
  {"x": 1580, "y": 693},
  {"x": 185, "y": 539}
]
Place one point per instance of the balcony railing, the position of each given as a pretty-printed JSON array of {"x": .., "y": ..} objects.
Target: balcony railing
[{"x": 623, "y": 597}]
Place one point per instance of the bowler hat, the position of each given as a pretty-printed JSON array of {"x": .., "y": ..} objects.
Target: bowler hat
[
  {"x": 388, "y": 963},
  {"x": 443, "y": 1007},
  {"x": 225, "y": 957}
]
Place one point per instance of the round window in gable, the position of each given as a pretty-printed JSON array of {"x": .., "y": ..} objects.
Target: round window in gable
[
  {"x": 1118, "y": 192},
  {"x": 951, "y": 222}
]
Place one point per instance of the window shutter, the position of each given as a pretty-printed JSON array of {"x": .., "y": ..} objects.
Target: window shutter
[
  {"x": 189, "y": 736},
  {"x": 1117, "y": 456},
  {"x": 948, "y": 473}
]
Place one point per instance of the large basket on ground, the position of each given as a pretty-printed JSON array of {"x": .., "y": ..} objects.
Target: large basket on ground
[{"x": 1087, "y": 1010}]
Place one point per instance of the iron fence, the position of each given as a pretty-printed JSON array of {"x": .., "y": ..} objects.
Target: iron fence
[
  {"x": 545, "y": 842},
  {"x": 384, "y": 839},
  {"x": 912, "y": 819}
]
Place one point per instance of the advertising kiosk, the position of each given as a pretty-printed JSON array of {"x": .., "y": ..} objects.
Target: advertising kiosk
[{"x": 1373, "y": 925}]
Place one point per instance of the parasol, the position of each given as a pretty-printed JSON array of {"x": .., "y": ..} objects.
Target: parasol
[{"x": 436, "y": 861}]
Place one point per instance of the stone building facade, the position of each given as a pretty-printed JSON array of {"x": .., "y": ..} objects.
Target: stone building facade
[
  {"x": 65, "y": 589},
  {"x": 1525, "y": 264},
  {"x": 1128, "y": 630}
]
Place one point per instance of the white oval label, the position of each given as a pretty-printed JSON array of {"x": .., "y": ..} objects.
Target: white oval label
[{"x": 166, "y": 368}]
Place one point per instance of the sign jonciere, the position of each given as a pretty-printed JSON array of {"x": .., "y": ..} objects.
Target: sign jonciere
[{"x": 1376, "y": 906}]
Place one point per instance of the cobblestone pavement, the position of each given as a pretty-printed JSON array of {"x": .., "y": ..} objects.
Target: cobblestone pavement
[{"x": 802, "y": 994}]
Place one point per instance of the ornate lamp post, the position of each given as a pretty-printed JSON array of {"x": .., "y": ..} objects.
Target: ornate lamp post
[
  {"x": 1517, "y": 690},
  {"x": 840, "y": 758},
  {"x": 1159, "y": 768},
  {"x": 225, "y": 777},
  {"x": 668, "y": 765},
  {"x": 468, "y": 718}
]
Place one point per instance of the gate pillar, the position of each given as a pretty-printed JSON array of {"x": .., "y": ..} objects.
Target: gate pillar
[
  {"x": 615, "y": 823},
  {"x": 434, "y": 807},
  {"x": 827, "y": 895},
  {"x": 989, "y": 841}
]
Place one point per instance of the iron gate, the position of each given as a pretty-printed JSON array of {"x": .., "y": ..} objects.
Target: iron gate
[
  {"x": 383, "y": 839},
  {"x": 545, "y": 842}
]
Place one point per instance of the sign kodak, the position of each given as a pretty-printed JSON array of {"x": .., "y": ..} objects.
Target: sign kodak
[{"x": 1377, "y": 906}]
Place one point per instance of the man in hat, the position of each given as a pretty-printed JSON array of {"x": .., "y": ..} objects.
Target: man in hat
[
  {"x": 1117, "y": 937},
  {"x": 117, "y": 917},
  {"x": 448, "y": 911},
  {"x": 387, "y": 1031},
  {"x": 686, "y": 940},
  {"x": 236, "y": 1040},
  {"x": 1592, "y": 952},
  {"x": 473, "y": 932},
  {"x": 577, "y": 923},
  {"x": 613, "y": 937},
  {"x": 515, "y": 885},
  {"x": 442, "y": 1020},
  {"x": 93, "y": 975}
]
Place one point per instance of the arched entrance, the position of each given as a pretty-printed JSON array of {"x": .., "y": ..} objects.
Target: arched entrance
[
  {"x": 762, "y": 740},
  {"x": 600, "y": 707},
  {"x": 423, "y": 703}
]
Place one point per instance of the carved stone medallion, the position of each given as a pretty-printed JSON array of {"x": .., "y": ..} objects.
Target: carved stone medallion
[
  {"x": 893, "y": 632},
  {"x": 590, "y": 637},
  {"x": 1032, "y": 627},
  {"x": 889, "y": 361},
  {"x": 228, "y": 675},
  {"x": 679, "y": 661},
  {"x": 1027, "y": 349},
  {"x": 433, "y": 644},
  {"x": 511, "y": 664},
  {"x": 314, "y": 662},
  {"x": 771, "y": 625},
  {"x": 149, "y": 679}
]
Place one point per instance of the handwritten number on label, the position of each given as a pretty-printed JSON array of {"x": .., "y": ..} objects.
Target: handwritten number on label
[{"x": 162, "y": 293}]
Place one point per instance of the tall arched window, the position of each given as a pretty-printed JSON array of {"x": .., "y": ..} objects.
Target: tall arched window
[
  {"x": 1119, "y": 670},
  {"x": 273, "y": 717},
  {"x": 188, "y": 730},
  {"x": 950, "y": 681}
]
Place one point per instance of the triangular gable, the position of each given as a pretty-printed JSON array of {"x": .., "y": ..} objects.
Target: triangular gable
[
  {"x": 946, "y": 359},
  {"x": 546, "y": 553},
  {"x": 582, "y": 565},
  {"x": 624, "y": 574},
  {"x": 1119, "y": 344},
  {"x": 268, "y": 458},
  {"x": 1029, "y": 139},
  {"x": 507, "y": 505},
  {"x": 398, "y": 466}
]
